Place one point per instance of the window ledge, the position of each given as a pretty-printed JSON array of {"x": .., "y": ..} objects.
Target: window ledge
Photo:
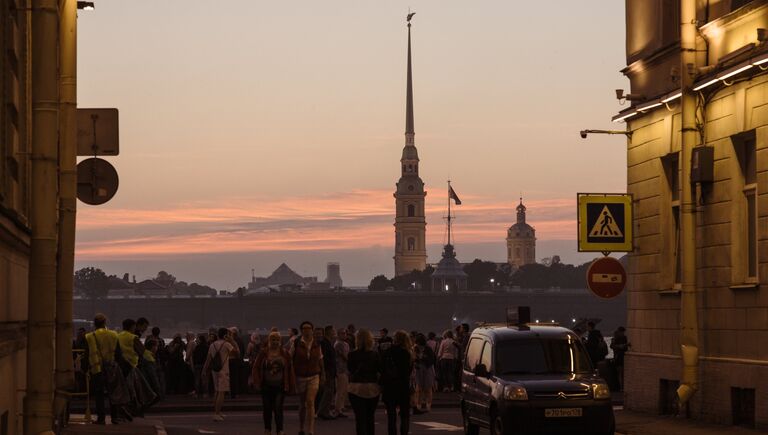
[
  {"x": 745, "y": 286},
  {"x": 669, "y": 292}
]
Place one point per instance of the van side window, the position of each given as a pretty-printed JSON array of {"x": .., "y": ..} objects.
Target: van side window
[
  {"x": 473, "y": 353},
  {"x": 487, "y": 359}
]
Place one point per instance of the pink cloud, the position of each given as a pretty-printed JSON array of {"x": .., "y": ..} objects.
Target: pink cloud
[{"x": 349, "y": 220}]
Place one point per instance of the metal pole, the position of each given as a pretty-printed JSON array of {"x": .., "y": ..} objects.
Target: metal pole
[
  {"x": 68, "y": 191},
  {"x": 689, "y": 328},
  {"x": 38, "y": 402}
]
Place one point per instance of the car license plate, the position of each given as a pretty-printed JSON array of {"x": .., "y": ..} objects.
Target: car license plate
[{"x": 562, "y": 412}]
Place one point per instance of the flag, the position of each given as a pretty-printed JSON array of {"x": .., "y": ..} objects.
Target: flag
[{"x": 452, "y": 195}]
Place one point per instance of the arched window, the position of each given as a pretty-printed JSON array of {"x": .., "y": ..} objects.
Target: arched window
[
  {"x": 411, "y": 243},
  {"x": 517, "y": 252},
  {"x": 411, "y": 210}
]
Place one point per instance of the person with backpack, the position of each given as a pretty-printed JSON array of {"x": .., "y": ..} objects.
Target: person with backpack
[
  {"x": 217, "y": 362},
  {"x": 397, "y": 363},
  {"x": 307, "y": 359},
  {"x": 364, "y": 365},
  {"x": 424, "y": 368},
  {"x": 105, "y": 374},
  {"x": 272, "y": 374}
]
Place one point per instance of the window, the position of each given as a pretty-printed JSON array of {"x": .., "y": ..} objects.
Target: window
[
  {"x": 671, "y": 165},
  {"x": 747, "y": 222},
  {"x": 735, "y": 4},
  {"x": 517, "y": 253},
  {"x": 411, "y": 210},
  {"x": 743, "y": 406},
  {"x": 541, "y": 356},
  {"x": 473, "y": 353},
  {"x": 411, "y": 243},
  {"x": 487, "y": 359}
]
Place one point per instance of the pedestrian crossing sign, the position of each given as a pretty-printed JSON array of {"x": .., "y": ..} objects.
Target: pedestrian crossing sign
[{"x": 605, "y": 222}]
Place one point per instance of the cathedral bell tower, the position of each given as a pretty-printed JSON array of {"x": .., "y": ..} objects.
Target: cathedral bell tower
[{"x": 410, "y": 222}]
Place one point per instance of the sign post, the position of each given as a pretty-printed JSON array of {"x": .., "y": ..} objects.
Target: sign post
[
  {"x": 606, "y": 277},
  {"x": 605, "y": 222},
  {"x": 605, "y": 225}
]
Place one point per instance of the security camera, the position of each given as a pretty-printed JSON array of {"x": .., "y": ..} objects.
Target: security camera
[{"x": 583, "y": 134}]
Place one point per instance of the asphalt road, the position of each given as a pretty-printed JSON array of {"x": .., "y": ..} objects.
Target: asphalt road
[{"x": 241, "y": 423}]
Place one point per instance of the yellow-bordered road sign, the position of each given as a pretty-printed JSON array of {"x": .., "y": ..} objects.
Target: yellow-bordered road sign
[{"x": 605, "y": 222}]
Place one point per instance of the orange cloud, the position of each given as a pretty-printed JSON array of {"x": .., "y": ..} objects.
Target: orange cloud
[{"x": 349, "y": 220}]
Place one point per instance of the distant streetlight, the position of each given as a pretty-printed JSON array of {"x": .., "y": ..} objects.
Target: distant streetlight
[
  {"x": 86, "y": 6},
  {"x": 446, "y": 287},
  {"x": 573, "y": 320}
]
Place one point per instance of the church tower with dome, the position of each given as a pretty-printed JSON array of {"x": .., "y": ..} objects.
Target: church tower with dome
[
  {"x": 410, "y": 221},
  {"x": 521, "y": 240}
]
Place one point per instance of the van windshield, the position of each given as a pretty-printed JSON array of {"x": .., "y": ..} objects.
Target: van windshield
[{"x": 540, "y": 356}]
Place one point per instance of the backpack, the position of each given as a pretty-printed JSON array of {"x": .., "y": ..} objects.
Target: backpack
[
  {"x": 602, "y": 348},
  {"x": 216, "y": 363},
  {"x": 389, "y": 372}
]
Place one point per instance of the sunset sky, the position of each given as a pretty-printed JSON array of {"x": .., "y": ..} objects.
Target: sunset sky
[{"x": 254, "y": 133}]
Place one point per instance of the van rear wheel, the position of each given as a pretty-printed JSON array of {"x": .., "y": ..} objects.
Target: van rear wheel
[
  {"x": 497, "y": 426},
  {"x": 469, "y": 427}
]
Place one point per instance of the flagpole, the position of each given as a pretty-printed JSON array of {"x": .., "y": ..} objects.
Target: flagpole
[{"x": 449, "y": 212}]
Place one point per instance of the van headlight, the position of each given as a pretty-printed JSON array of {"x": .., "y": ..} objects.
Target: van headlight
[
  {"x": 601, "y": 391},
  {"x": 515, "y": 392}
]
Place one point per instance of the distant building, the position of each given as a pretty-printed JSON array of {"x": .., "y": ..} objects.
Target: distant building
[
  {"x": 449, "y": 276},
  {"x": 333, "y": 275},
  {"x": 282, "y": 275},
  {"x": 521, "y": 240},
  {"x": 410, "y": 221}
]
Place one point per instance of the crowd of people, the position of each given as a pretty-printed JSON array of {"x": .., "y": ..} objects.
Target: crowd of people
[{"x": 330, "y": 370}]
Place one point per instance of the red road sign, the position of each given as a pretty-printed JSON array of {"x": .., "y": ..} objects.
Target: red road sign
[{"x": 606, "y": 277}]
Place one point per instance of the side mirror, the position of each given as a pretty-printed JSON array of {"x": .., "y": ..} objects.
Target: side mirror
[{"x": 481, "y": 370}]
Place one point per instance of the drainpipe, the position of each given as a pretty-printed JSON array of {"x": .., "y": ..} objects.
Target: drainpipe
[
  {"x": 67, "y": 192},
  {"x": 689, "y": 327},
  {"x": 38, "y": 401}
]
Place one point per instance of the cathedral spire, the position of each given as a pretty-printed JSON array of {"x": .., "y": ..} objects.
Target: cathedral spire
[{"x": 409, "y": 131}]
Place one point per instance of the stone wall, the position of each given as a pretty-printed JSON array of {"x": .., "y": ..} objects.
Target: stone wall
[{"x": 420, "y": 311}]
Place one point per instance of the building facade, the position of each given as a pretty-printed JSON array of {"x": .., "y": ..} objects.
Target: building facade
[
  {"x": 730, "y": 178},
  {"x": 14, "y": 210},
  {"x": 521, "y": 240},
  {"x": 410, "y": 220}
]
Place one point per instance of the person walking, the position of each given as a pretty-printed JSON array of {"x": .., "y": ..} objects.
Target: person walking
[
  {"x": 273, "y": 375},
  {"x": 217, "y": 362},
  {"x": 424, "y": 368},
  {"x": 447, "y": 354},
  {"x": 341, "y": 350},
  {"x": 397, "y": 363},
  {"x": 596, "y": 346},
  {"x": 620, "y": 345},
  {"x": 328, "y": 397},
  {"x": 102, "y": 344},
  {"x": 364, "y": 367},
  {"x": 199, "y": 355},
  {"x": 307, "y": 360}
]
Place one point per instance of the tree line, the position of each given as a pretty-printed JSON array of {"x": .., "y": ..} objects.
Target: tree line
[
  {"x": 489, "y": 276},
  {"x": 95, "y": 283}
]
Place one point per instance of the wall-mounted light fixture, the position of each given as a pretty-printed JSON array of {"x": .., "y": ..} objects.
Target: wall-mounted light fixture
[
  {"x": 86, "y": 6},
  {"x": 584, "y": 133}
]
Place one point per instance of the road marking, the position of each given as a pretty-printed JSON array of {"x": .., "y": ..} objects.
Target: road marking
[{"x": 433, "y": 425}]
